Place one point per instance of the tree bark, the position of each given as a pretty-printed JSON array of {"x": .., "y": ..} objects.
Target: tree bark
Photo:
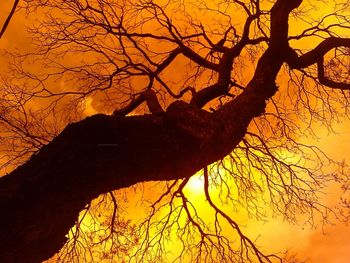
[{"x": 41, "y": 199}]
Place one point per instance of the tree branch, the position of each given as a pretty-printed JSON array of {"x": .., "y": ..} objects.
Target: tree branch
[
  {"x": 316, "y": 54},
  {"x": 328, "y": 82},
  {"x": 9, "y": 17},
  {"x": 222, "y": 86}
]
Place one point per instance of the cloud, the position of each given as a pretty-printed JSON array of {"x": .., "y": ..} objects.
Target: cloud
[{"x": 332, "y": 245}]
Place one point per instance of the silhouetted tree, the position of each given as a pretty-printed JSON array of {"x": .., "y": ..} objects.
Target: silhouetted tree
[{"x": 208, "y": 72}]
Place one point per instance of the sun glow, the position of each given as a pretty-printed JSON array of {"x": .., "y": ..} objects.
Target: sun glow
[
  {"x": 196, "y": 183},
  {"x": 89, "y": 109}
]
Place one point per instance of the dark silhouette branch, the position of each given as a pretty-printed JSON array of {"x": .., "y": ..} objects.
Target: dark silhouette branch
[
  {"x": 314, "y": 56},
  {"x": 225, "y": 66},
  {"x": 9, "y": 17},
  {"x": 328, "y": 82},
  {"x": 152, "y": 101}
]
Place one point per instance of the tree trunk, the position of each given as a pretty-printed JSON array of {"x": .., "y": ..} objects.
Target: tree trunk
[{"x": 41, "y": 199}]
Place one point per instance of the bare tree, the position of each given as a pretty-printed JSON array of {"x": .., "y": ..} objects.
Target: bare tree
[{"x": 220, "y": 112}]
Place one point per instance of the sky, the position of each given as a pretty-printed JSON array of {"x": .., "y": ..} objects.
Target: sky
[{"x": 329, "y": 244}]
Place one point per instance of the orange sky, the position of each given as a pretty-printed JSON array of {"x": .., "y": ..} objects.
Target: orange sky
[{"x": 328, "y": 245}]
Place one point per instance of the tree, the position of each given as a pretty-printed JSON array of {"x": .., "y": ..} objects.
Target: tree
[{"x": 226, "y": 108}]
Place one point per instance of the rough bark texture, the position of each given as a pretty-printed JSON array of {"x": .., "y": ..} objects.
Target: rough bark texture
[{"x": 41, "y": 199}]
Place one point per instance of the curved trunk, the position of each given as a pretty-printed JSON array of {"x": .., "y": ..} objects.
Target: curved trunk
[{"x": 41, "y": 199}]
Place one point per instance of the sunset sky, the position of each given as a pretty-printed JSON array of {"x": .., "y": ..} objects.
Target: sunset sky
[{"x": 326, "y": 244}]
